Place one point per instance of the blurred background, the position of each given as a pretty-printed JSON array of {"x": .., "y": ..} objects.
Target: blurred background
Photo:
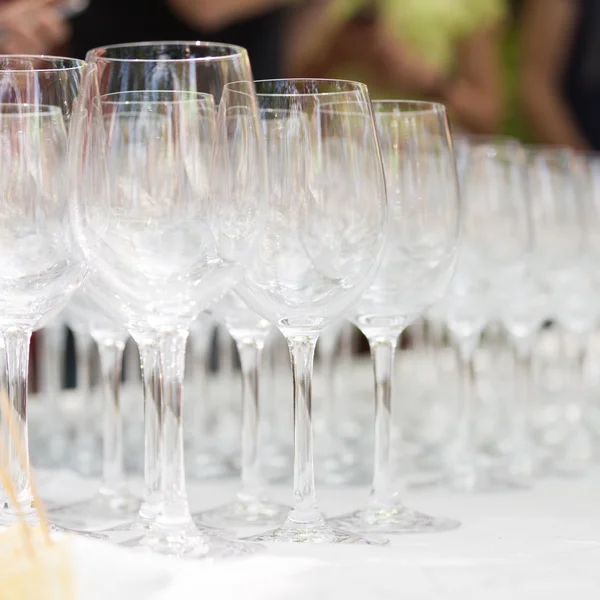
[{"x": 526, "y": 68}]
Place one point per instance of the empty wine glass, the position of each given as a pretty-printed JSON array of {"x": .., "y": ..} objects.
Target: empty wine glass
[
  {"x": 41, "y": 264},
  {"x": 563, "y": 222},
  {"x": 162, "y": 241},
  {"x": 495, "y": 244},
  {"x": 54, "y": 435},
  {"x": 251, "y": 505},
  {"x": 113, "y": 501},
  {"x": 337, "y": 462},
  {"x": 204, "y": 458},
  {"x": 418, "y": 263},
  {"x": 85, "y": 456},
  {"x": 325, "y": 227}
]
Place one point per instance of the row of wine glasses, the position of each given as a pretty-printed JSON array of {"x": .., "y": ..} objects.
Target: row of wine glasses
[
  {"x": 424, "y": 420},
  {"x": 156, "y": 186},
  {"x": 185, "y": 187}
]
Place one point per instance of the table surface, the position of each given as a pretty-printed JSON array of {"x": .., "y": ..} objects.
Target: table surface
[{"x": 521, "y": 545}]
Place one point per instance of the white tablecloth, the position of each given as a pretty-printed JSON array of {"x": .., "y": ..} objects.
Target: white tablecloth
[{"x": 540, "y": 544}]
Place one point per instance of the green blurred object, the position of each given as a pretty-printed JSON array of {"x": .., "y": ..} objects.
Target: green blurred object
[
  {"x": 433, "y": 28},
  {"x": 514, "y": 122}
]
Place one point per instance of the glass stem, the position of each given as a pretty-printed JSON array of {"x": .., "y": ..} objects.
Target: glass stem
[
  {"x": 152, "y": 428},
  {"x": 51, "y": 353},
  {"x": 131, "y": 363},
  {"x": 175, "y": 512},
  {"x": 17, "y": 367},
  {"x": 522, "y": 410},
  {"x": 327, "y": 354},
  {"x": 465, "y": 448},
  {"x": 200, "y": 409},
  {"x": 85, "y": 425},
  {"x": 305, "y": 513},
  {"x": 250, "y": 351},
  {"x": 383, "y": 350},
  {"x": 111, "y": 365},
  {"x": 581, "y": 353}
]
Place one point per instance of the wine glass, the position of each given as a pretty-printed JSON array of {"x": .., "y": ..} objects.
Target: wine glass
[
  {"x": 563, "y": 224},
  {"x": 41, "y": 264},
  {"x": 204, "y": 458},
  {"x": 54, "y": 434},
  {"x": 85, "y": 456},
  {"x": 494, "y": 249},
  {"x": 251, "y": 505},
  {"x": 325, "y": 228},
  {"x": 418, "y": 263},
  {"x": 112, "y": 501},
  {"x": 161, "y": 240},
  {"x": 337, "y": 462}
]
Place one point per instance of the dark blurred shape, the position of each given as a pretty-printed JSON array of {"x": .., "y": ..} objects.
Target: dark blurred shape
[
  {"x": 121, "y": 21},
  {"x": 560, "y": 71}
]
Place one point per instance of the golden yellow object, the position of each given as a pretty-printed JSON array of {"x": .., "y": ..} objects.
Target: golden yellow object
[
  {"x": 32, "y": 565},
  {"x": 44, "y": 575}
]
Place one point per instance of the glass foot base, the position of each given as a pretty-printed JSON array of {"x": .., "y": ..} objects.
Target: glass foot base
[
  {"x": 103, "y": 509},
  {"x": 322, "y": 534},
  {"x": 393, "y": 520},
  {"x": 9, "y": 517},
  {"x": 190, "y": 542},
  {"x": 244, "y": 514}
]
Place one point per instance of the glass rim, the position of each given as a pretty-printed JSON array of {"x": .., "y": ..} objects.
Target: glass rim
[
  {"x": 235, "y": 51},
  {"x": 548, "y": 149},
  {"x": 428, "y": 107},
  {"x": 76, "y": 63},
  {"x": 36, "y": 109},
  {"x": 483, "y": 139},
  {"x": 193, "y": 97},
  {"x": 358, "y": 87}
]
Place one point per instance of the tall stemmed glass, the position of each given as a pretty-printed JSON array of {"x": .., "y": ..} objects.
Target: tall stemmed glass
[
  {"x": 562, "y": 218},
  {"x": 162, "y": 242},
  {"x": 418, "y": 263},
  {"x": 85, "y": 458},
  {"x": 494, "y": 249},
  {"x": 251, "y": 505},
  {"x": 325, "y": 230},
  {"x": 51, "y": 349},
  {"x": 524, "y": 305},
  {"x": 41, "y": 264},
  {"x": 337, "y": 462},
  {"x": 112, "y": 501},
  {"x": 204, "y": 460}
]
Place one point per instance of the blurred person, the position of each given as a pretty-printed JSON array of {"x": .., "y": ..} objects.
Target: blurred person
[
  {"x": 444, "y": 50},
  {"x": 43, "y": 26},
  {"x": 31, "y": 27},
  {"x": 560, "y": 71}
]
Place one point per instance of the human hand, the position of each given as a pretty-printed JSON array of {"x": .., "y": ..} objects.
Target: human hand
[{"x": 31, "y": 27}]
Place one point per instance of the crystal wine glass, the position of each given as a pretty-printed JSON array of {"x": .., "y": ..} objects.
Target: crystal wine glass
[
  {"x": 563, "y": 222},
  {"x": 41, "y": 263},
  {"x": 495, "y": 243},
  {"x": 251, "y": 505},
  {"x": 325, "y": 229},
  {"x": 162, "y": 241},
  {"x": 418, "y": 263},
  {"x": 113, "y": 501}
]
